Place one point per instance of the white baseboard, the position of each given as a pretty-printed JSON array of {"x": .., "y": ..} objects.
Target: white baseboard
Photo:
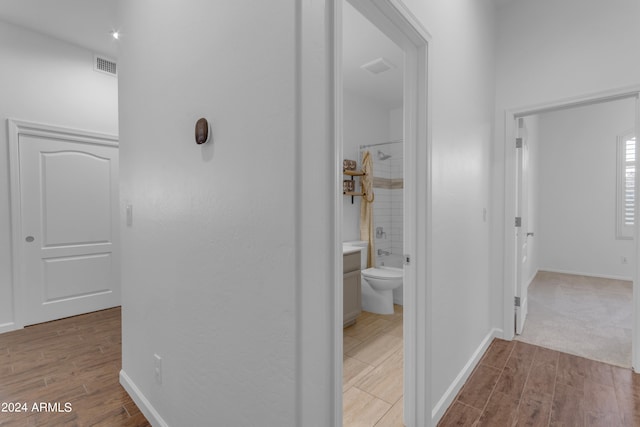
[
  {"x": 143, "y": 404},
  {"x": 8, "y": 327},
  {"x": 447, "y": 399},
  {"x": 578, "y": 273}
]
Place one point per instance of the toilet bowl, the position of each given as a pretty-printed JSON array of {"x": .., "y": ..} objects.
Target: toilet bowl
[
  {"x": 377, "y": 283},
  {"x": 377, "y": 288}
]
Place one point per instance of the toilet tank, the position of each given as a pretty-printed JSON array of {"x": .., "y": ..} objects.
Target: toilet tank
[{"x": 363, "y": 253}]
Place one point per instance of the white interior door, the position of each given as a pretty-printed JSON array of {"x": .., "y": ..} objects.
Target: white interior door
[
  {"x": 69, "y": 227},
  {"x": 522, "y": 206}
]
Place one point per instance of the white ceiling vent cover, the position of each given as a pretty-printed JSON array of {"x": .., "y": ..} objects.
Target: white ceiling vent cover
[
  {"x": 105, "y": 65},
  {"x": 378, "y": 66}
]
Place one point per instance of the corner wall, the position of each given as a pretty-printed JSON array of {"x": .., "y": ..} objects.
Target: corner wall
[
  {"x": 47, "y": 81},
  {"x": 577, "y": 231}
]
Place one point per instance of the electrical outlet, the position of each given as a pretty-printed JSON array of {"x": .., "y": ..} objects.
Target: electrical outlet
[
  {"x": 624, "y": 260},
  {"x": 157, "y": 368}
]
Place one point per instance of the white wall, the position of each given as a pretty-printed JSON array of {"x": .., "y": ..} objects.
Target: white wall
[
  {"x": 548, "y": 51},
  {"x": 577, "y": 231},
  {"x": 188, "y": 291},
  {"x": 395, "y": 124},
  {"x": 209, "y": 271},
  {"x": 462, "y": 96},
  {"x": 47, "y": 81},
  {"x": 365, "y": 122}
]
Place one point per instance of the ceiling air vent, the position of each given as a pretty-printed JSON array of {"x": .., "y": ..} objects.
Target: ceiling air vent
[
  {"x": 105, "y": 65},
  {"x": 378, "y": 66}
]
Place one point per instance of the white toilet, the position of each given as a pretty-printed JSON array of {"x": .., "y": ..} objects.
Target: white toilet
[{"x": 378, "y": 283}]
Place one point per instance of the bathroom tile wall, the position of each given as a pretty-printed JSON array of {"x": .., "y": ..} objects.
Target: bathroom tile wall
[
  {"x": 397, "y": 198},
  {"x": 388, "y": 205},
  {"x": 382, "y": 218}
]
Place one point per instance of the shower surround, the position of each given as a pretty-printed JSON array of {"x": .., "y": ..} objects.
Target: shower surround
[{"x": 388, "y": 187}]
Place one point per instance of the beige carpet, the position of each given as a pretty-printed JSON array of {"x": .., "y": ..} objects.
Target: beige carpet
[{"x": 584, "y": 316}]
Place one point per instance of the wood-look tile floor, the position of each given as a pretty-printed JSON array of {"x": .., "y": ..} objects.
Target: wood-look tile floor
[
  {"x": 372, "y": 371},
  {"x": 76, "y": 360},
  {"x": 520, "y": 384}
]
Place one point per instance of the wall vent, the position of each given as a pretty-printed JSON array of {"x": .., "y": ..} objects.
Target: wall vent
[
  {"x": 378, "y": 66},
  {"x": 105, "y": 65}
]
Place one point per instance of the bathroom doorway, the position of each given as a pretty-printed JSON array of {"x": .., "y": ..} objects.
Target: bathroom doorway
[{"x": 381, "y": 108}]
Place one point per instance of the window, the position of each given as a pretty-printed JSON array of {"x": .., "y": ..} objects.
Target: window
[{"x": 626, "y": 196}]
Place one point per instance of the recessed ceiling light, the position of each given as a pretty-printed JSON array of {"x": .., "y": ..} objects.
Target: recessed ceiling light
[{"x": 115, "y": 34}]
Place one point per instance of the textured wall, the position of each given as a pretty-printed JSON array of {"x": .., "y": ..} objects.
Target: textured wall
[{"x": 209, "y": 264}]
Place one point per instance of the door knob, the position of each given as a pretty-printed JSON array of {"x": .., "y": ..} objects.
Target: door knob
[{"x": 29, "y": 239}]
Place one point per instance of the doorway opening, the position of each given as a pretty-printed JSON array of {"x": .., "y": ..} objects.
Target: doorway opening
[
  {"x": 65, "y": 243},
  {"x": 573, "y": 272},
  {"x": 402, "y": 150}
]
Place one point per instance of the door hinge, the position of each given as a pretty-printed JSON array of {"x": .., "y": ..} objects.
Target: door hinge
[
  {"x": 407, "y": 259},
  {"x": 518, "y": 221},
  {"x": 518, "y": 142},
  {"x": 517, "y": 301}
]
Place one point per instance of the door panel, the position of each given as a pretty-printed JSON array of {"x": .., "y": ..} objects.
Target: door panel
[
  {"x": 69, "y": 211},
  {"x": 76, "y": 277},
  {"x": 76, "y": 191},
  {"x": 521, "y": 232}
]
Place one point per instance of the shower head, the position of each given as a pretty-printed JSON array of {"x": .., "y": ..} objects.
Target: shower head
[{"x": 383, "y": 156}]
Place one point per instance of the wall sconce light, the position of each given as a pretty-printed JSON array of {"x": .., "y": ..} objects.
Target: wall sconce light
[{"x": 202, "y": 131}]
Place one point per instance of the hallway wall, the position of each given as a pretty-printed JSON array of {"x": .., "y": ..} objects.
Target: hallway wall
[
  {"x": 209, "y": 264},
  {"x": 52, "y": 82},
  {"x": 462, "y": 96},
  {"x": 549, "y": 51},
  {"x": 187, "y": 288}
]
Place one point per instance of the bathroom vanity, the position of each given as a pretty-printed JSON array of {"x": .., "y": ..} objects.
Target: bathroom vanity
[{"x": 351, "y": 291}]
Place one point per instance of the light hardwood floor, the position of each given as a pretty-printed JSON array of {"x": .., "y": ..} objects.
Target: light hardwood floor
[
  {"x": 75, "y": 360},
  {"x": 520, "y": 384},
  {"x": 372, "y": 371}
]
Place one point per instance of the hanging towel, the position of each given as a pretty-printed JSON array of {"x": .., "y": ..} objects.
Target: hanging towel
[{"x": 366, "y": 208}]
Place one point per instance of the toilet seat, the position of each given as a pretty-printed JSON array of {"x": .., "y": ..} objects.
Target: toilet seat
[{"x": 383, "y": 273}]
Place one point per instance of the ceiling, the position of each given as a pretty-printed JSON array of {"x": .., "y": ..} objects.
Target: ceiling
[
  {"x": 86, "y": 23},
  {"x": 363, "y": 43},
  {"x": 89, "y": 23}
]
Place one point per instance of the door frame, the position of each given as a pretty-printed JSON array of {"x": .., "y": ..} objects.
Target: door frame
[
  {"x": 509, "y": 265},
  {"x": 16, "y": 128},
  {"x": 401, "y": 26}
]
